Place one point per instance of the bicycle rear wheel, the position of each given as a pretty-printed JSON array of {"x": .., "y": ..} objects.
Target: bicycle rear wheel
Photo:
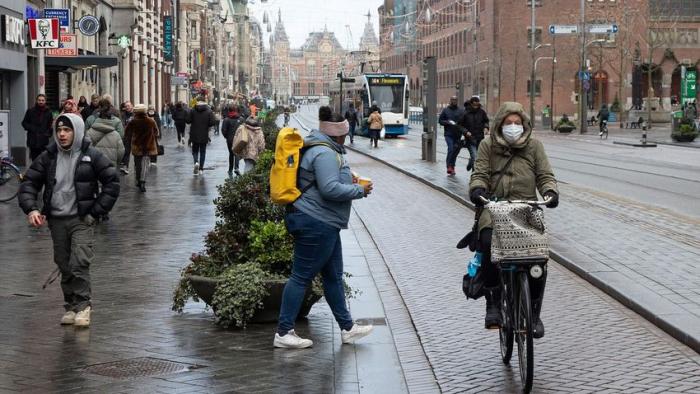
[
  {"x": 523, "y": 332},
  {"x": 505, "y": 332},
  {"x": 10, "y": 179}
]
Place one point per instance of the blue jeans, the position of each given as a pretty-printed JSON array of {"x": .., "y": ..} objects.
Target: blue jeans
[
  {"x": 201, "y": 151},
  {"x": 317, "y": 249},
  {"x": 352, "y": 132},
  {"x": 454, "y": 145},
  {"x": 471, "y": 147}
]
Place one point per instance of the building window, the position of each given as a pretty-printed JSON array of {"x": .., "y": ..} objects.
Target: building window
[
  {"x": 312, "y": 89},
  {"x": 326, "y": 88},
  {"x": 311, "y": 70},
  {"x": 538, "y": 36},
  {"x": 193, "y": 30},
  {"x": 538, "y": 87},
  {"x": 681, "y": 9},
  {"x": 297, "y": 89}
]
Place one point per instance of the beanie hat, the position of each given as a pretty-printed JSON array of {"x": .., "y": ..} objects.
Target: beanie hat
[{"x": 64, "y": 121}]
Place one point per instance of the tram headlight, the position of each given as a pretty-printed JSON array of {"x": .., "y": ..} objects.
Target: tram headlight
[{"x": 536, "y": 271}]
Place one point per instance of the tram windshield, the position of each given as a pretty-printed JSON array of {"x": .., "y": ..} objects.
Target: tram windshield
[{"x": 388, "y": 92}]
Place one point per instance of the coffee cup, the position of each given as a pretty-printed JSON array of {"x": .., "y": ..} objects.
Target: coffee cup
[{"x": 364, "y": 181}]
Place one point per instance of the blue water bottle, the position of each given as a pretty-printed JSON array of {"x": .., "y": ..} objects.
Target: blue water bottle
[{"x": 474, "y": 264}]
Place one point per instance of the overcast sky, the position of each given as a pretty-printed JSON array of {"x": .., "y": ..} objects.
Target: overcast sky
[{"x": 301, "y": 17}]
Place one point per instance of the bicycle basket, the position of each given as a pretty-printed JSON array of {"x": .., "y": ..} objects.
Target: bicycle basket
[{"x": 519, "y": 232}]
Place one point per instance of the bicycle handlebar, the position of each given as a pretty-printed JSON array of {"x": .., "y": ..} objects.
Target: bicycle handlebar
[{"x": 532, "y": 202}]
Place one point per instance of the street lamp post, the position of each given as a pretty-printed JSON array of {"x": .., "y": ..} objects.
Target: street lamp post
[
  {"x": 532, "y": 79},
  {"x": 581, "y": 97}
]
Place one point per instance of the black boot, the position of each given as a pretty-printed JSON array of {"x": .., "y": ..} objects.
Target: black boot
[
  {"x": 493, "y": 308},
  {"x": 538, "y": 326},
  {"x": 142, "y": 186}
]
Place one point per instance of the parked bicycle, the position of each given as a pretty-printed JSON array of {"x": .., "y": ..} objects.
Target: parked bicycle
[
  {"x": 603, "y": 129},
  {"x": 10, "y": 179},
  {"x": 516, "y": 303}
]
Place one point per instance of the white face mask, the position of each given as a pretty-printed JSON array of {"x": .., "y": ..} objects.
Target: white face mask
[{"x": 512, "y": 132}]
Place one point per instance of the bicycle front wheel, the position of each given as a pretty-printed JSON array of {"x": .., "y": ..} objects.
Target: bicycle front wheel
[
  {"x": 523, "y": 332},
  {"x": 505, "y": 332},
  {"x": 10, "y": 179}
]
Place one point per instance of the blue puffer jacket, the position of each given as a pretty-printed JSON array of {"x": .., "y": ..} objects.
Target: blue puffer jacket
[{"x": 330, "y": 198}]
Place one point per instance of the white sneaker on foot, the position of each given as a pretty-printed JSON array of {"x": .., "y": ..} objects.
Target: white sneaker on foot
[
  {"x": 291, "y": 341},
  {"x": 196, "y": 169},
  {"x": 82, "y": 318},
  {"x": 356, "y": 332},
  {"x": 68, "y": 318}
]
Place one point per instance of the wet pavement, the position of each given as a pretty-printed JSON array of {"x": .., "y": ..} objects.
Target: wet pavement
[
  {"x": 139, "y": 254},
  {"x": 643, "y": 254}
]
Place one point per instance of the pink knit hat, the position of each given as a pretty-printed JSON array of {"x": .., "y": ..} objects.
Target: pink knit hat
[{"x": 334, "y": 129}]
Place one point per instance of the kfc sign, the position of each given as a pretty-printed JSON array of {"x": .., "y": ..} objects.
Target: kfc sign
[
  {"x": 43, "y": 33},
  {"x": 13, "y": 30}
]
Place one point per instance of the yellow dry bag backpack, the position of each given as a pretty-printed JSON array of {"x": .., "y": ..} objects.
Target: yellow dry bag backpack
[{"x": 283, "y": 175}]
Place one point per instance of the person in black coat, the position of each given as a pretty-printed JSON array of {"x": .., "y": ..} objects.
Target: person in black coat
[
  {"x": 475, "y": 122},
  {"x": 37, "y": 122},
  {"x": 180, "y": 114},
  {"x": 449, "y": 119},
  {"x": 69, "y": 172},
  {"x": 201, "y": 118},
  {"x": 231, "y": 123}
]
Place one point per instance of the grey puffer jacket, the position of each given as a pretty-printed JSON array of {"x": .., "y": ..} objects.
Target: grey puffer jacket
[{"x": 105, "y": 137}]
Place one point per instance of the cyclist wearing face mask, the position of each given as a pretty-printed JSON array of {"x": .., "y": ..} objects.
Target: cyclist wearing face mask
[{"x": 510, "y": 150}]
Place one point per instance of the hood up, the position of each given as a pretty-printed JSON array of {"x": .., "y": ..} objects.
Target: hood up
[
  {"x": 506, "y": 109},
  {"x": 78, "y": 127}
]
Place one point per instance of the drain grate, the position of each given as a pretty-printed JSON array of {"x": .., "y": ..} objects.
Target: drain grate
[
  {"x": 138, "y": 368},
  {"x": 375, "y": 321}
]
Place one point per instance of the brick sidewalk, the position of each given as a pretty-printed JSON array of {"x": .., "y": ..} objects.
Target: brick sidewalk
[
  {"x": 643, "y": 256},
  {"x": 139, "y": 254}
]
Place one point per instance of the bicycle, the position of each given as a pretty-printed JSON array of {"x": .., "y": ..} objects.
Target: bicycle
[
  {"x": 10, "y": 179},
  {"x": 516, "y": 306},
  {"x": 603, "y": 129}
]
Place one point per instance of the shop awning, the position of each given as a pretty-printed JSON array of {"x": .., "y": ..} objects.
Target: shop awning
[{"x": 82, "y": 61}]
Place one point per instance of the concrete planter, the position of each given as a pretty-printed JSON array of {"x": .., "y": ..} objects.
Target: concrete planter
[
  {"x": 565, "y": 129},
  {"x": 684, "y": 137},
  {"x": 205, "y": 288}
]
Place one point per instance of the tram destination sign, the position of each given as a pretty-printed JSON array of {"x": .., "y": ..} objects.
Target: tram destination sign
[{"x": 386, "y": 81}]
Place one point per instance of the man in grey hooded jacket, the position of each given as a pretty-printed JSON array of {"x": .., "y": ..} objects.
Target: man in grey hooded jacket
[{"x": 69, "y": 171}]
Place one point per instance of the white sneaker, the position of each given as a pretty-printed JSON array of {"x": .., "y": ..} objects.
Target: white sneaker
[
  {"x": 201, "y": 172},
  {"x": 291, "y": 341},
  {"x": 68, "y": 318},
  {"x": 153, "y": 164},
  {"x": 196, "y": 169},
  {"x": 82, "y": 318},
  {"x": 124, "y": 170},
  {"x": 601, "y": 133},
  {"x": 356, "y": 332}
]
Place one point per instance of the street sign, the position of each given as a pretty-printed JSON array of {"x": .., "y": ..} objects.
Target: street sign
[
  {"x": 43, "y": 33},
  {"x": 67, "y": 48},
  {"x": 89, "y": 25},
  {"x": 563, "y": 29},
  {"x": 689, "y": 85},
  {"x": 182, "y": 74},
  {"x": 602, "y": 29},
  {"x": 62, "y": 14},
  {"x": 584, "y": 75},
  {"x": 178, "y": 80},
  {"x": 168, "y": 38}
]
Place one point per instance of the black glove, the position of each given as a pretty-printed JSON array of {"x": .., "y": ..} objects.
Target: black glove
[
  {"x": 553, "y": 199},
  {"x": 476, "y": 195}
]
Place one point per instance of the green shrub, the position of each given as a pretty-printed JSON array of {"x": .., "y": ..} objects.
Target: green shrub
[
  {"x": 271, "y": 246},
  {"x": 239, "y": 294}
]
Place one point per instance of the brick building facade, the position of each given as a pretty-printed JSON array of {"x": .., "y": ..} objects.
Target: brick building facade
[{"x": 485, "y": 46}]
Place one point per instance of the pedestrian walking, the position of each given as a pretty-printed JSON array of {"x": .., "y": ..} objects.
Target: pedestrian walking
[
  {"x": 314, "y": 220},
  {"x": 353, "y": 120},
  {"x": 375, "y": 125},
  {"x": 70, "y": 107},
  {"x": 510, "y": 165},
  {"x": 475, "y": 122},
  {"x": 90, "y": 108},
  {"x": 37, "y": 122},
  {"x": 201, "y": 118},
  {"x": 256, "y": 143},
  {"x": 154, "y": 115},
  {"x": 69, "y": 172},
  {"x": 82, "y": 104},
  {"x": 180, "y": 114},
  {"x": 229, "y": 127},
  {"x": 143, "y": 131},
  {"x": 105, "y": 133},
  {"x": 449, "y": 119},
  {"x": 127, "y": 112}
]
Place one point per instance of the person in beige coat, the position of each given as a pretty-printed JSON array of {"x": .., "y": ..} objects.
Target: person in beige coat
[
  {"x": 256, "y": 143},
  {"x": 375, "y": 125}
]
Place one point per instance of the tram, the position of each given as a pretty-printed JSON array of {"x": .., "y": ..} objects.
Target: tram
[{"x": 388, "y": 91}]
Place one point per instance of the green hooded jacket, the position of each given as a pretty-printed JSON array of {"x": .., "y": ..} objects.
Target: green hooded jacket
[{"x": 528, "y": 173}]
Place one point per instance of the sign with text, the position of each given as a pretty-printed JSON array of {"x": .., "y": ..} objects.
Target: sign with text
[
  {"x": 43, "y": 33},
  {"x": 385, "y": 81},
  {"x": 689, "y": 85},
  {"x": 563, "y": 29},
  {"x": 62, "y": 14},
  {"x": 67, "y": 48},
  {"x": 14, "y": 29},
  {"x": 168, "y": 38},
  {"x": 602, "y": 29},
  {"x": 177, "y": 80}
]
